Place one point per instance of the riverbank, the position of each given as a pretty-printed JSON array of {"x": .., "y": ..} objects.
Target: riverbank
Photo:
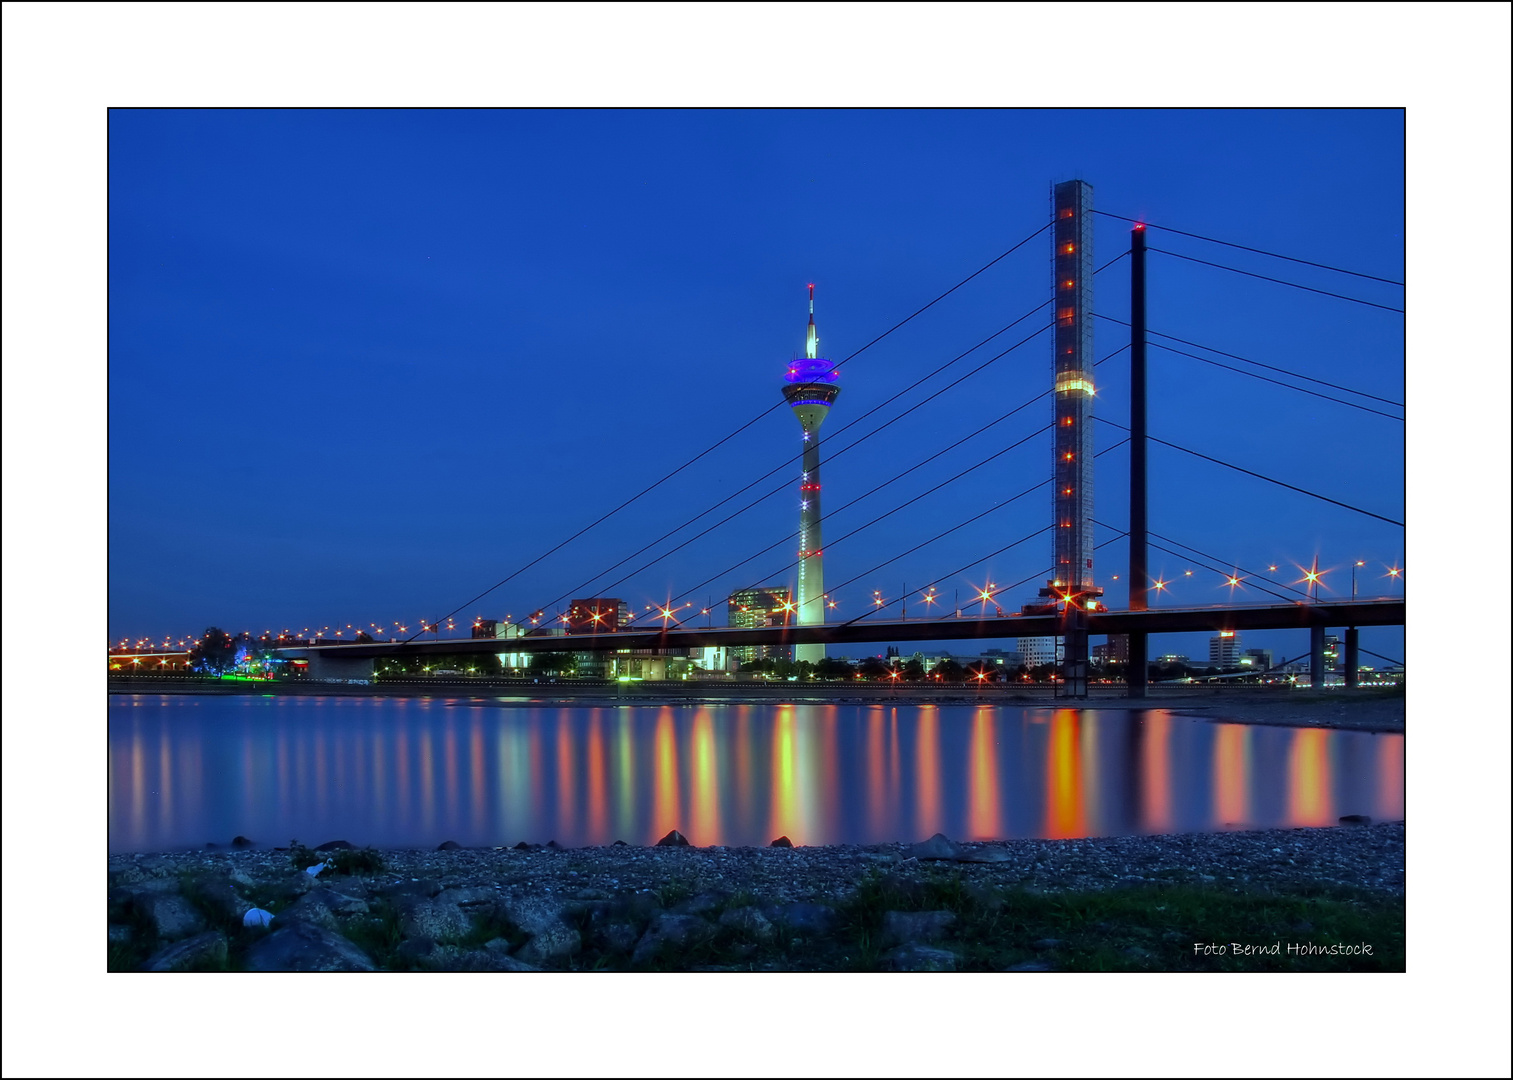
[
  {"x": 1144, "y": 903},
  {"x": 1359, "y": 709}
]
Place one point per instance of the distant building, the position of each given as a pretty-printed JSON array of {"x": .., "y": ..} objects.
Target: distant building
[
  {"x": 1115, "y": 652},
  {"x": 1256, "y": 659},
  {"x": 597, "y": 615},
  {"x": 770, "y": 605},
  {"x": 1170, "y": 659},
  {"x": 1331, "y": 652},
  {"x": 1224, "y": 649},
  {"x": 485, "y": 628},
  {"x": 1034, "y": 651}
]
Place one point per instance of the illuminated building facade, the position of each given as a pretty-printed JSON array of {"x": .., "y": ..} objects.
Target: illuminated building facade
[
  {"x": 810, "y": 390},
  {"x": 1224, "y": 649},
  {"x": 597, "y": 615},
  {"x": 771, "y": 605}
]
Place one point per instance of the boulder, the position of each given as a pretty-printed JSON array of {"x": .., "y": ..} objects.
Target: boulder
[
  {"x": 617, "y": 937},
  {"x": 411, "y": 887},
  {"x": 748, "y": 921},
  {"x": 803, "y": 918},
  {"x": 671, "y": 931},
  {"x": 542, "y": 919},
  {"x": 986, "y": 854},
  {"x": 197, "y": 953},
  {"x": 619, "y": 843},
  {"x": 468, "y": 897},
  {"x": 673, "y": 839},
  {"x": 938, "y": 846},
  {"x": 171, "y": 916},
  {"x": 303, "y": 946},
  {"x": 240, "y": 841},
  {"x": 781, "y": 841},
  {"x": 219, "y": 895},
  {"x": 448, "y": 845},
  {"x": 335, "y": 845},
  {"x": 916, "y": 957},
  {"x": 118, "y": 934},
  {"x": 1355, "y": 819},
  {"x": 703, "y": 903},
  {"x": 419, "y": 917},
  {"x": 903, "y": 927}
]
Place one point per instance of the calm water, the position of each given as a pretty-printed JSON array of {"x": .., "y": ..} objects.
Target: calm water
[{"x": 413, "y": 772}]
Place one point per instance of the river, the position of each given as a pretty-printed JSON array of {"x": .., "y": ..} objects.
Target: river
[{"x": 185, "y": 770}]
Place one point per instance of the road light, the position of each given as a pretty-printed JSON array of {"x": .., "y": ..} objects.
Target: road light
[{"x": 1358, "y": 562}]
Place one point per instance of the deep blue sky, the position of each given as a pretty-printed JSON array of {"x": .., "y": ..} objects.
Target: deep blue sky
[{"x": 366, "y": 363}]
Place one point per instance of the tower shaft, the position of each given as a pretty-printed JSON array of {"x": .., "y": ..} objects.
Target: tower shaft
[{"x": 1072, "y": 500}]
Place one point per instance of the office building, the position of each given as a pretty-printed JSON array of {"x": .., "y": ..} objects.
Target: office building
[
  {"x": 771, "y": 605},
  {"x": 1224, "y": 649}
]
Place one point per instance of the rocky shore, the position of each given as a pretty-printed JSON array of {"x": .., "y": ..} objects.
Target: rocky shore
[{"x": 1131, "y": 903}]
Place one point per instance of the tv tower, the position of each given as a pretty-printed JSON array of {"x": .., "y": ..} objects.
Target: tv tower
[{"x": 810, "y": 389}]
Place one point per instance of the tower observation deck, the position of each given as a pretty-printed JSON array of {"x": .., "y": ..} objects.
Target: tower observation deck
[{"x": 810, "y": 389}]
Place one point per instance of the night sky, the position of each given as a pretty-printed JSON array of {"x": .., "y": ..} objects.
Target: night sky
[{"x": 365, "y": 364}]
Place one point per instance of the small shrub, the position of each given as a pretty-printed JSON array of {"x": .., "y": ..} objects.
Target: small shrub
[
  {"x": 357, "y": 861},
  {"x": 302, "y": 857}
]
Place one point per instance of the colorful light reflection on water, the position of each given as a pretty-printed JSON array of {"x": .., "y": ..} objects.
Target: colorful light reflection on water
[{"x": 400, "y": 772}]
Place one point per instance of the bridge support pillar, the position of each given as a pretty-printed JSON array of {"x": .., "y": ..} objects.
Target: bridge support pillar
[
  {"x": 1137, "y": 667},
  {"x": 1316, "y": 657},
  {"x": 1352, "y": 656},
  {"x": 339, "y": 669},
  {"x": 1074, "y": 660}
]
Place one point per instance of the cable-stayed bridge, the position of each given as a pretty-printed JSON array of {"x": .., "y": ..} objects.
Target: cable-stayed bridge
[{"x": 1070, "y": 605}]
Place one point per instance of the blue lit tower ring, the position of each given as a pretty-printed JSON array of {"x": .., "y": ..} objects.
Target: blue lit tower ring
[{"x": 810, "y": 388}]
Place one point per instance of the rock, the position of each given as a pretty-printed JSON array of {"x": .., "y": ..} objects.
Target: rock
[
  {"x": 1355, "y": 819},
  {"x": 335, "y": 845},
  {"x": 803, "y": 918},
  {"x": 619, "y": 843},
  {"x": 523, "y": 846},
  {"x": 592, "y": 894},
  {"x": 471, "y": 897},
  {"x": 903, "y": 927},
  {"x": 171, "y": 916},
  {"x": 552, "y": 845},
  {"x": 1047, "y": 943},
  {"x": 199, "y": 952},
  {"x": 488, "y": 960},
  {"x": 419, "y": 917},
  {"x": 673, "y": 839},
  {"x": 703, "y": 903},
  {"x": 781, "y": 841},
  {"x": 240, "y": 841},
  {"x": 448, "y": 845},
  {"x": 1030, "y": 965},
  {"x": 916, "y": 957},
  {"x": 311, "y": 908},
  {"x": 220, "y": 897},
  {"x": 906, "y": 890},
  {"x": 988, "y": 854},
  {"x": 675, "y": 931},
  {"x": 938, "y": 846},
  {"x": 617, "y": 937},
  {"x": 749, "y": 921},
  {"x": 542, "y": 919},
  {"x": 118, "y": 934},
  {"x": 303, "y": 946},
  {"x": 237, "y": 877},
  {"x": 411, "y": 887}
]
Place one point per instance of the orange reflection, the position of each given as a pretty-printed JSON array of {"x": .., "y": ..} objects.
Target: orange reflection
[
  {"x": 877, "y": 778},
  {"x": 565, "y": 787},
  {"x": 927, "y": 754},
  {"x": 1389, "y": 765},
  {"x": 984, "y": 803},
  {"x": 165, "y": 777},
  {"x": 1064, "y": 816},
  {"x": 743, "y": 789},
  {"x": 785, "y": 811},
  {"x": 1308, "y": 778},
  {"x": 626, "y": 753},
  {"x": 706, "y": 799},
  {"x": 1232, "y": 774},
  {"x": 1155, "y": 772},
  {"x": 664, "y": 814},
  {"x": 598, "y": 793}
]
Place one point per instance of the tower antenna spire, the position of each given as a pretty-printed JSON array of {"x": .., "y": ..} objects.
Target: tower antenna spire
[{"x": 812, "y": 342}]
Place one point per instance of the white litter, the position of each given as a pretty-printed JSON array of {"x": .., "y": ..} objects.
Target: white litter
[
  {"x": 257, "y": 917},
  {"x": 314, "y": 871}
]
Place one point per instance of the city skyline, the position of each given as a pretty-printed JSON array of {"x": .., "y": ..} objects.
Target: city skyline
[{"x": 458, "y": 398}]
